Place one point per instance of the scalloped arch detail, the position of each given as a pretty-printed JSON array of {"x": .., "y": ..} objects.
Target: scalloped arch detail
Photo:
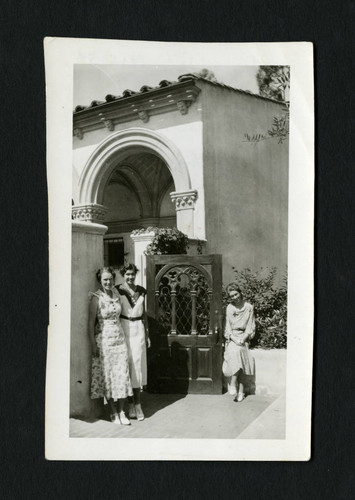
[{"x": 116, "y": 147}]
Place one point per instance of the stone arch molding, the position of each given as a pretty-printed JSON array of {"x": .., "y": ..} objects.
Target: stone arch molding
[
  {"x": 114, "y": 149},
  {"x": 134, "y": 140}
]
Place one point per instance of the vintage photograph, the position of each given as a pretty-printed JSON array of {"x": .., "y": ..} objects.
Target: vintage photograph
[
  {"x": 181, "y": 254},
  {"x": 180, "y": 197}
]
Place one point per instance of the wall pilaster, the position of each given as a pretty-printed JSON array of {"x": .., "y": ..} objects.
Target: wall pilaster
[
  {"x": 87, "y": 258},
  {"x": 141, "y": 241},
  {"x": 185, "y": 205}
]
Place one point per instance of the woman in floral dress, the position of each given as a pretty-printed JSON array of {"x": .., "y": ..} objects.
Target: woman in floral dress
[
  {"x": 134, "y": 323},
  {"x": 239, "y": 329},
  {"x": 110, "y": 369}
]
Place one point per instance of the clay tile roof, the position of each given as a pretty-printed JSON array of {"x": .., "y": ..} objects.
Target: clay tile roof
[
  {"x": 196, "y": 76},
  {"x": 110, "y": 97},
  {"x": 80, "y": 108},
  {"x": 128, "y": 93},
  {"x": 96, "y": 103},
  {"x": 145, "y": 88},
  {"x": 189, "y": 76},
  {"x": 166, "y": 83}
]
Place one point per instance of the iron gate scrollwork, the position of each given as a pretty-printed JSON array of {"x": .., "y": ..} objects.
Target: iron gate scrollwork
[
  {"x": 184, "y": 311},
  {"x": 183, "y": 300}
]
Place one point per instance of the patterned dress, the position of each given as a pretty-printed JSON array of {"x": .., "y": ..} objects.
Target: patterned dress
[
  {"x": 110, "y": 371},
  {"x": 238, "y": 323},
  {"x": 133, "y": 326}
]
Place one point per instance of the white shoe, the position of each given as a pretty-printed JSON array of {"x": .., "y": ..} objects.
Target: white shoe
[
  {"x": 240, "y": 397},
  {"x": 115, "y": 419},
  {"x": 139, "y": 412},
  {"x": 123, "y": 419},
  {"x": 232, "y": 390}
]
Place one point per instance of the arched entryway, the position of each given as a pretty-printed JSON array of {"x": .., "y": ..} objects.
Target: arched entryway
[
  {"x": 137, "y": 196},
  {"x": 115, "y": 150},
  {"x": 135, "y": 140}
]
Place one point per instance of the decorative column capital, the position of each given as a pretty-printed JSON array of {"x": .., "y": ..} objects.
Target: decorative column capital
[
  {"x": 184, "y": 200},
  {"x": 91, "y": 212}
]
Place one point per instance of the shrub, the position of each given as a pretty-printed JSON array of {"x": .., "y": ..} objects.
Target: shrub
[
  {"x": 270, "y": 305},
  {"x": 167, "y": 241}
]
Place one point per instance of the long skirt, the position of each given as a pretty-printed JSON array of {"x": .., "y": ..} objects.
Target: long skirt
[
  {"x": 237, "y": 358},
  {"x": 137, "y": 354},
  {"x": 110, "y": 371}
]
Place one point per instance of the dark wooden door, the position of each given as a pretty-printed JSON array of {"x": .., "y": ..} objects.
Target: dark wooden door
[{"x": 184, "y": 307}]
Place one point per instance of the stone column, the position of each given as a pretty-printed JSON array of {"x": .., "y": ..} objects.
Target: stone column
[
  {"x": 141, "y": 241},
  {"x": 185, "y": 206},
  {"x": 87, "y": 258}
]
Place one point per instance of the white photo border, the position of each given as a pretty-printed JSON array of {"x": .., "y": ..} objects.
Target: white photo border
[{"x": 61, "y": 54}]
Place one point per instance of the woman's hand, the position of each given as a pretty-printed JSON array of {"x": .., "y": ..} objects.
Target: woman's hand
[
  {"x": 245, "y": 338},
  {"x": 148, "y": 342},
  {"x": 237, "y": 340}
]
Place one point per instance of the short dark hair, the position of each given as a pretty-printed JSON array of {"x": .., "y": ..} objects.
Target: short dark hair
[
  {"x": 129, "y": 267},
  {"x": 102, "y": 270},
  {"x": 234, "y": 286}
]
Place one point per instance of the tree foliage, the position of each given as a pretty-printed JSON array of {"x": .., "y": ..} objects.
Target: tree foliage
[
  {"x": 207, "y": 74},
  {"x": 274, "y": 82}
]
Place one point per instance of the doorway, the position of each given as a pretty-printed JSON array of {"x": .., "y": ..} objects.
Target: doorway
[
  {"x": 185, "y": 323},
  {"x": 137, "y": 195}
]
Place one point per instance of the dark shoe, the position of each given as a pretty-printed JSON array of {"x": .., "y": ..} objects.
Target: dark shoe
[{"x": 132, "y": 411}]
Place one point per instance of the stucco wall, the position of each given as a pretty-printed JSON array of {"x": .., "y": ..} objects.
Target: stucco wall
[
  {"x": 246, "y": 185},
  {"x": 87, "y": 256},
  {"x": 184, "y": 131}
]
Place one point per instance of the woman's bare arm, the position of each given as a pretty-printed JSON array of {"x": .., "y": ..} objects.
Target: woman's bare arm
[
  {"x": 145, "y": 322},
  {"x": 91, "y": 324}
]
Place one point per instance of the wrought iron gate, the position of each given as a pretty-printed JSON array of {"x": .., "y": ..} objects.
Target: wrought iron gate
[{"x": 184, "y": 311}]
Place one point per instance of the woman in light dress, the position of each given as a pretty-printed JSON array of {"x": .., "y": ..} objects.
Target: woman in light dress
[
  {"x": 239, "y": 329},
  {"x": 110, "y": 370},
  {"x": 134, "y": 323}
]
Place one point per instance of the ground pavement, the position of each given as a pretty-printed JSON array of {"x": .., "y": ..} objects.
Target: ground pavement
[{"x": 261, "y": 416}]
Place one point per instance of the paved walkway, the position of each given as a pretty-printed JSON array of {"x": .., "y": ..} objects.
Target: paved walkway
[
  {"x": 261, "y": 416},
  {"x": 195, "y": 416}
]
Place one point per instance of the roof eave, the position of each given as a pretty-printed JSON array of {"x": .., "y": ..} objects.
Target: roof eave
[{"x": 178, "y": 96}]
